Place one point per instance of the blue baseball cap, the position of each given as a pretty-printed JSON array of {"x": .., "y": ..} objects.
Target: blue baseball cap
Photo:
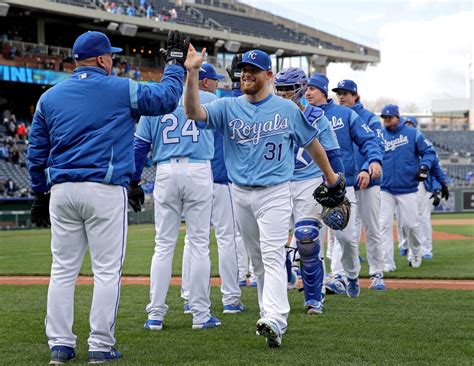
[
  {"x": 319, "y": 81},
  {"x": 346, "y": 85},
  {"x": 390, "y": 110},
  {"x": 207, "y": 71},
  {"x": 410, "y": 119},
  {"x": 256, "y": 58},
  {"x": 92, "y": 44}
]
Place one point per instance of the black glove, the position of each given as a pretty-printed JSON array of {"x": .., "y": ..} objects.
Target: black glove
[
  {"x": 422, "y": 173},
  {"x": 331, "y": 196},
  {"x": 176, "y": 49},
  {"x": 136, "y": 196},
  {"x": 436, "y": 195},
  {"x": 234, "y": 72},
  {"x": 40, "y": 210},
  {"x": 444, "y": 191}
]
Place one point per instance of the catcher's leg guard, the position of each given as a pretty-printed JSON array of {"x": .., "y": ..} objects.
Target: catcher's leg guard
[{"x": 312, "y": 271}]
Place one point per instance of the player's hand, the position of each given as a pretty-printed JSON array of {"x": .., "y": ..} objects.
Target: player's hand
[
  {"x": 136, "y": 196},
  {"x": 40, "y": 210},
  {"x": 194, "y": 59},
  {"x": 444, "y": 191},
  {"x": 176, "y": 48},
  {"x": 331, "y": 195},
  {"x": 363, "y": 180},
  {"x": 233, "y": 71},
  {"x": 436, "y": 195},
  {"x": 422, "y": 173},
  {"x": 375, "y": 170}
]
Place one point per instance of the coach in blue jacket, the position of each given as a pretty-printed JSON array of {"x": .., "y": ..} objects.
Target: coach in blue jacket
[
  {"x": 407, "y": 161},
  {"x": 81, "y": 148}
]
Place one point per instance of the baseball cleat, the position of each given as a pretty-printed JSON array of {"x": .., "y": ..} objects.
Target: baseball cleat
[
  {"x": 292, "y": 283},
  {"x": 211, "y": 323},
  {"x": 377, "y": 282},
  {"x": 234, "y": 308},
  {"x": 187, "y": 308},
  {"x": 388, "y": 268},
  {"x": 61, "y": 355},
  {"x": 153, "y": 324},
  {"x": 270, "y": 330},
  {"x": 253, "y": 284},
  {"x": 243, "y": 283},
  {"x": 427, "y": 256},
  {"x": 403, "y": 252},
  {"x": 353, "y": 287},
  {"x": 313, "y": 307},
  {"x": 415, "y": 261},
  {"x": 96, "y": 357},
  {"x": 336, "y": 286}
]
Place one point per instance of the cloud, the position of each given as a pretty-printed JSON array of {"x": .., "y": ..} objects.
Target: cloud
[
  {"x": 369, "y": 17},
  {"x": 420, "y": 61}
]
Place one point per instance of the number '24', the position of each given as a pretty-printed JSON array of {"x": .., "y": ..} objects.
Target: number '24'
[{"x": 189, "y": 129}]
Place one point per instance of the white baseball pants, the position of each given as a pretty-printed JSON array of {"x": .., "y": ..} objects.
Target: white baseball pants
[
  {"x": 93, "y": 215},
  {"x": 408, "y": 218},
  {"x": 243, "y": 258},
  {"x": 263, "y": 218},
  {"x": 182, "y": 187},
  {"x": 222, "y": 219}
]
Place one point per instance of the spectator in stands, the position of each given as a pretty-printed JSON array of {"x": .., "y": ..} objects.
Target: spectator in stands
[
  {"x": 150, "y": 12},
  {"x": 10, "y": 187},
  {"x": 6, "y": 51},
  {"x": 15, "y": 154},
  {"x": 21, "y": 131},
  {"x": 164, "y": 15},
  {"x": 173, "y": 14},
  {"x": 4, "y": 153},
  {"x": 142, "y": 9},
  {"x": 131, "y": 10},
  {"x": 137, "y": 75},
  {"x": 120, "y": 9},
  {"x": 11, "y": 129}
]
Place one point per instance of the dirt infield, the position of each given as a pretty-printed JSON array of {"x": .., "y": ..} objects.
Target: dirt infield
[
  {"x": 365, "y": 282},
  {"x": 452, "y": 222}
]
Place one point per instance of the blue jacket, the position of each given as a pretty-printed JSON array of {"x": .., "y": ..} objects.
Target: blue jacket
[
  {"x": 374, "y": 124},
  {"x": 436, "y": 177},
  {"x": 219, "y": 171},
  {"x": 83, "y": 127},
  {"x": 350, "y": 129},
  {"x": 406, "y": 149}
]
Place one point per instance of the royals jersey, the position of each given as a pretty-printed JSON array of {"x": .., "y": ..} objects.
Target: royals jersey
[
  {"x": 305, "y": 167},
  {"x": 259, "y": 139},
  {"x": 174, "y": 135}
]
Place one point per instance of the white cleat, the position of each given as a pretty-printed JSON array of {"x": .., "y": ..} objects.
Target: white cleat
[
  {"x": 270, "y": 330},
  {"x": 415, "y": 261}
]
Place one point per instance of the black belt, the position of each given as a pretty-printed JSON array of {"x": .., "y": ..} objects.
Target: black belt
[{"x": 252, "y": 187}]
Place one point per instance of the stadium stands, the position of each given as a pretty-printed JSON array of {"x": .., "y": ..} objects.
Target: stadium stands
[{"x": 461, "y": 142}]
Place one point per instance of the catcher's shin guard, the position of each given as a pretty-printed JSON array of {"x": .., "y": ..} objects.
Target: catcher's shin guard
[{"x": 312, "y": 270}]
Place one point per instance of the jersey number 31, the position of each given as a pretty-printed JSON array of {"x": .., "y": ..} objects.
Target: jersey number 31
[{"x": 189, "y": 129}]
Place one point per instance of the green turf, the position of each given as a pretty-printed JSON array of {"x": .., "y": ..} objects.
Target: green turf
[
  {"x": 27, "y": 252},
  {"x": 466, "y": 230},
  {"x": 422, "y": 327},
  {"x": 453, "y": 216}
]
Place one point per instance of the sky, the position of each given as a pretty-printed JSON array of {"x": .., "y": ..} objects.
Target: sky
[{"x": 426, "y": 46}]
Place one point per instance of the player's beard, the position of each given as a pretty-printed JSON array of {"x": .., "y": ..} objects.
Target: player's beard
[{"x": 254, "y": 87}]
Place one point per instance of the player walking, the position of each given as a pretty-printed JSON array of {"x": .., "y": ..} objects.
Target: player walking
[
  {"x": 407, "y": 160},
  {"x": 260, "y": 131},
  {"x": 81, "y": 147},
  {"x": 350, "y": 129},
  {"x": 291, "y": 83},
  {"x": 222, "y": 217},
  {"x": 367, "y": 190}
]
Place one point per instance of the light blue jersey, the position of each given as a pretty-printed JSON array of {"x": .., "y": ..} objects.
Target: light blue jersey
[
  {"x": 305, "y": 167},
  {"x": 174, "y": 135},
  {"x": 259, "y": 139}
]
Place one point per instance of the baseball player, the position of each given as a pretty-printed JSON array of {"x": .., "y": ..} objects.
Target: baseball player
[
  {"x": 290, "y": 83},
  {"x": 183, "y": 185},
  {"x": 367, "y": 190},
  {"x": 80, "y": 148},
  {"x": 350, "y": 129},
  {"x": 407, "y": 160},
  {"x": 222, "y": 217},
  {"x": 430, "y": 192},
  {"x": 260, "y": 131}
]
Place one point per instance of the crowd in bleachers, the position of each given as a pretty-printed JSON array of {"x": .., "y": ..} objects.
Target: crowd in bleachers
[{"x": 145, "y": 9}]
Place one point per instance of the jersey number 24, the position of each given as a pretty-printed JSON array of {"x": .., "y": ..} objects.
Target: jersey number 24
[{"x": 189, "y": 129}]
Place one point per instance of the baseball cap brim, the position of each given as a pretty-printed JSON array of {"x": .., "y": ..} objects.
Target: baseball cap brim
[
  {"x": 242, "y": 64},
  {"x": 218, "y": 77},
  {"x": 335, "y": 90},
  {"x": 115, "y": 49}
]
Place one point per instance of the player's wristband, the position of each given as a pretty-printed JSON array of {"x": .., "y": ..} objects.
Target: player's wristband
[{"x": 236, "y": 85}]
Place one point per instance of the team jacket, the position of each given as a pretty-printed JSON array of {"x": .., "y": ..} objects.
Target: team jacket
[
  {"x": 374, "y": 124},
  {"x": 349, "y": 129},
  {"x": 436, "y": 177},
  {"x": 83, "y": 128},
  {"x": 406, "y": 149}
]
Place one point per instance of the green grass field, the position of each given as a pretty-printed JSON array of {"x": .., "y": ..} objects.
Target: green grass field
[
  {"x": 396, "y": 327},
  {"x": 27, "y": 252}
]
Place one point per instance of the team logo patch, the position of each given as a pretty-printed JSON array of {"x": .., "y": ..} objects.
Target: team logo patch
[
  {"x": 391, "y": 145},
  {"x": 243, "y": 133},
  {"x": 337, "y": 123}
]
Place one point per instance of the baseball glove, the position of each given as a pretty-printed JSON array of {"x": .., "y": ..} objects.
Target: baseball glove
[
  {"x": 331, "y": 195},
  {"x": 176, "y": 48},
  {"x": 40, "y": 210},
  {"x": 136, "y": 196},
  {"x": 337, "y": 217}
]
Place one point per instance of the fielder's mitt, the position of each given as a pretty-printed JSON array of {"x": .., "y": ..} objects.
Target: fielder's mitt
[
  {"x": 331, "y": 196},
  {"x": 337, "y": 217}
]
